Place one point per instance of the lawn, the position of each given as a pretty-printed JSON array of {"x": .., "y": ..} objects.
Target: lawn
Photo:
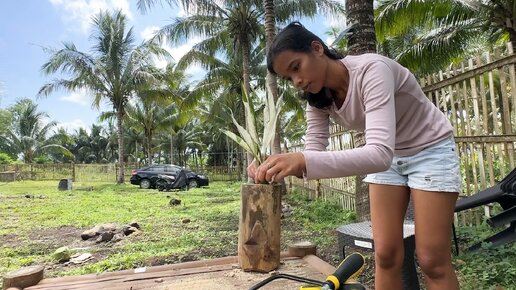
[{"x": 36, "y": 219}]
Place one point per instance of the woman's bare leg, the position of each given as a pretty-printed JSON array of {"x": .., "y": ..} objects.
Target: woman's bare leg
[
  {"x": 434, "y": 217},
  {"x": 388, "y": 206}
]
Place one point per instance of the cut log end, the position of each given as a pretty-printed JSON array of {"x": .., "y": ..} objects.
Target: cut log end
[
  {"x": 23, "y": 277},
  {"x": 302, "y": 248}
]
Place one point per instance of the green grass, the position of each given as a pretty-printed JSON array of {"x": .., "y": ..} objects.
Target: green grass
[
  {"x": 36, "y": 219},
  {"x": 28, "y": 207}
]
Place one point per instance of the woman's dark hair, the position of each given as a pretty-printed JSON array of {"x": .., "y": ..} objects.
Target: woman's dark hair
[{"x": 297, "y": 38}]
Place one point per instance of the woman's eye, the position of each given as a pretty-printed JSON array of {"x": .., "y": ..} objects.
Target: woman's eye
[{"x": 295, "y": 67}]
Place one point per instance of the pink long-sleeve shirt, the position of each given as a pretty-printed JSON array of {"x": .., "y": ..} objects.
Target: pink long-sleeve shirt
[{"x": 385, "y": 101}]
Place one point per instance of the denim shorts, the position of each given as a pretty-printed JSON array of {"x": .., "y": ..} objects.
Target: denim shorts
[{"x": 435, "y": 168}]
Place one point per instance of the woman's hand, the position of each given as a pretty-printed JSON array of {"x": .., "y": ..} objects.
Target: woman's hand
[{"x": 276, "y": 167}]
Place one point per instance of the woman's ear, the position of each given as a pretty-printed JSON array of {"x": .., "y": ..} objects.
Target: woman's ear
[{"x": 317, "y": 48}]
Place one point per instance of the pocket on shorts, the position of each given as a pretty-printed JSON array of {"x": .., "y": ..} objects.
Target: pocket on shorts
[{"x": 439, "y": 168}]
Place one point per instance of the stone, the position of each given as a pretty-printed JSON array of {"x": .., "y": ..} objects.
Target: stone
[{"x": 62, "y": 254}]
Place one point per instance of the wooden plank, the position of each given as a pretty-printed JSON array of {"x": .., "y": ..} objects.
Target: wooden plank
[
  {"x": 505, "y": 101},
  {"x": 101, "y": 283},
  {"x": 319, "y": 265},
  {"x": 512, "y": 75},
  {"x": 444, "y": 96},
  {"x": 466, "y": 103},
  {"x": 221, "y": 276},
  {"x": 460, "y": 98},
  {"x": 511, "y": 59},
  {"x": 476, "y": 111},
  {"x": 488, "y": 139},
  {"x": 135, "y": 277},
  {"x": 485, "y": 127},
  {"x": 495, "y": 113},
  {"x": 453, "y": 107}
]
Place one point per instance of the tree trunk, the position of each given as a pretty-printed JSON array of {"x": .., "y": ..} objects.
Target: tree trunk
[
  {"x": 271, "y": 81},
  {"x": 171, "y": 149},
  {"x": 247, "y": 90},
  {"x": 360, "y": 14},
  {"x": 120, "y": 133},
  {"x": 149, "y": 149},
  {"x": 259, "y": 227},
  {"x": 136, "y": 159}
]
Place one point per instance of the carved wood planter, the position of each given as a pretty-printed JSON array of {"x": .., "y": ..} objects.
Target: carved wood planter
[{"x": 259, "y": 227}]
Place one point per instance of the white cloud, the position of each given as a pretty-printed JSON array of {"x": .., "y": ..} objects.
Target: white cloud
[
  {"x": 78, "y": 13},
  {"x": 82, "y": 97},
  {"x": 178, "y": 51},
  {"x": 148, "y": 32},
  {"x": 195, "y": 71},
  {"x": 73, "y": 126}
]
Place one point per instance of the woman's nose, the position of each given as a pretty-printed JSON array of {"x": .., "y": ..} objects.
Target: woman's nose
[{"x": 298, "y": 82}]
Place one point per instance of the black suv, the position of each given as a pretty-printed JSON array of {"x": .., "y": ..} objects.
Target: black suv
[{"x": 146, "y": 177}]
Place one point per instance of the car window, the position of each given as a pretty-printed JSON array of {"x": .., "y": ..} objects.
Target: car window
[
  {"x": 173, "y": 169},
  {"x": 158, "y": 168}
]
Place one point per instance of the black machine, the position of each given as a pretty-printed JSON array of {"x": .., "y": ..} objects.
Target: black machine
[
  {"x": 167, "y": 182},
  {"x": 503, "y": 193}
]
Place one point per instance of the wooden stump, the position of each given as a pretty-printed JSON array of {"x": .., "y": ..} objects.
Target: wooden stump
[
  {"x": 259, "y": 227},
  {"x": 24, "y": 277},
  {"x": 302, "y": 248}
]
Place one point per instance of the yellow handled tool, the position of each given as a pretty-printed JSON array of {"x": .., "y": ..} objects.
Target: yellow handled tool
[
  {"x": 341, "y": 279},
  {"x": 347, "y": 269}
]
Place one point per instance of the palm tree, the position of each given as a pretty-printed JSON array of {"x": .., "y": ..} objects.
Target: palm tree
[
  {"x": 271, "y": 80},
  {"x": 238, "y": 21},
  {"x": 92, "y": 147},
  {"x": 5, "y": 117},
  {"x": 186, "y": 138},
  {"x": 150, "y": 117},
  {"x": 63, "y": 138},
  {"x": 114, "y": 71},
  {"x": 28, "y": 135},
  {"x": 433, "y": 33},
  {"x": 360, "y": 16}
]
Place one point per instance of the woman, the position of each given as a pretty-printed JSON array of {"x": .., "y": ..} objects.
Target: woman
[{"x": 409, "y": 148}]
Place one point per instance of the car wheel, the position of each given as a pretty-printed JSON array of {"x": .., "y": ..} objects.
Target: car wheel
[
  {"x": 192, "y": 183},
  {"x": 145, "y": 184}
]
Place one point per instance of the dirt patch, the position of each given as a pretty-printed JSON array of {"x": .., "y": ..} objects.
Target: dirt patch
[{"x": 58, "y": 237}]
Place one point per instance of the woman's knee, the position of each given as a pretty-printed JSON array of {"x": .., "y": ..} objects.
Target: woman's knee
[
  {"x": 434, "y": 264},
  {"x": 388, "y": 255}
]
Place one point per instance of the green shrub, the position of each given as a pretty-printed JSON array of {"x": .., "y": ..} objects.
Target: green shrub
[
  {"x": 488, "y": 267},
  {"x": 6, "y": 158}
]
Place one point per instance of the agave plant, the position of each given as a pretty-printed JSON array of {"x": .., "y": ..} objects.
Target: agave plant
[{"x": 249, "y": 139}]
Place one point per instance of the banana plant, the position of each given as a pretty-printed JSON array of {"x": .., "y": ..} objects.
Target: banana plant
[{"x": 248, "y": 138}]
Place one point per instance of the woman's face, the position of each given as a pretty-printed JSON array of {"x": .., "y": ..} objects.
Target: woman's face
[{"x": 307, "y": 71}]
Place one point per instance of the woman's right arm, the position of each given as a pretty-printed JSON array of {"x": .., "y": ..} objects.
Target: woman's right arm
[{"x": 318, "y": 131}]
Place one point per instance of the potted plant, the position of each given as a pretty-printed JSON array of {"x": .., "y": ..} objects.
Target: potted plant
[{"x": 260, "y": 209}]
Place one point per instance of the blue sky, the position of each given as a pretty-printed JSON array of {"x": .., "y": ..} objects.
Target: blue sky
[{"x": 28, "y": 25}]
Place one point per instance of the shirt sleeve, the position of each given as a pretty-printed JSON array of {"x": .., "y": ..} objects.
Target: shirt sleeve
[
  {"x": 376, "y": 89},
  {"x": 317, "y": 130}
]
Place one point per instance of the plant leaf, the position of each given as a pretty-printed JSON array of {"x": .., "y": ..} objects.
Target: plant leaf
[
  {"x": 271, "y": 114},
  {"x": 253, "y": 145},
  {"x": 250, "y": 117},
  {"x": 238, "y": 140}
]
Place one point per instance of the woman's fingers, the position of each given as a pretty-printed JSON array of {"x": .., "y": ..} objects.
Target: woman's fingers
[
  {"x": 251, "y": 169},
  {"x": 277, "y": 167}
]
